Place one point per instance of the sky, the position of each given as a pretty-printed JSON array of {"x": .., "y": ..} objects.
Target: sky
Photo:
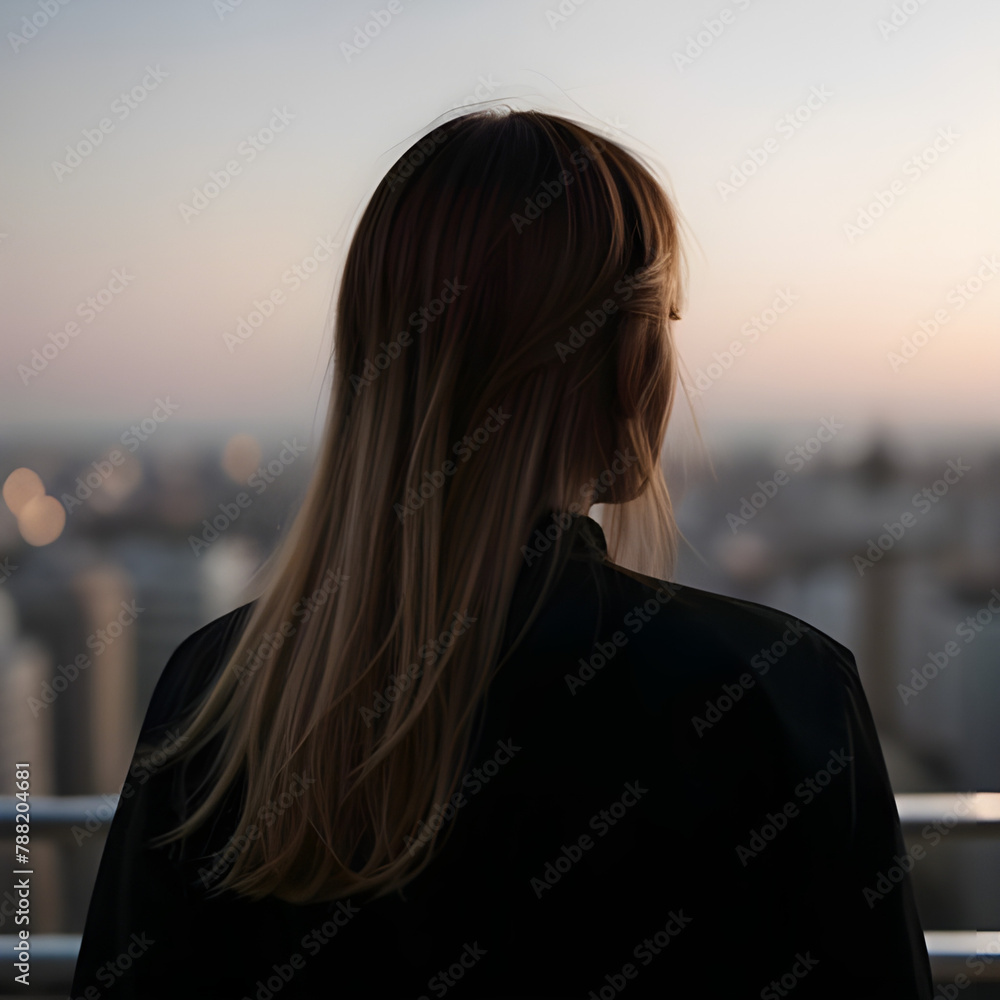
[{"x": 174, "y": 163}]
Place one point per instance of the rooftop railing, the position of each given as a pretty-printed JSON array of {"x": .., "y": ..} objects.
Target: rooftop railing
[{"x": 953, "y": 953}]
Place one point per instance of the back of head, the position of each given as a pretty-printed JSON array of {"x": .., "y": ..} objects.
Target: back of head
[{"x": 502, "y": 350}]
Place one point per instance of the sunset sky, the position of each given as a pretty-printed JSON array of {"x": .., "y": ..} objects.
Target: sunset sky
[{"x": 329, "y": 118}]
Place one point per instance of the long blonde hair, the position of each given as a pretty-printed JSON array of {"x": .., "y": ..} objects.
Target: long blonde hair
[{"x": 502, "y": 350}]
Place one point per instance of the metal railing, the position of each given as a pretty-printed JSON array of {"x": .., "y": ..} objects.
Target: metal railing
[{"x": 953, "y": 954}]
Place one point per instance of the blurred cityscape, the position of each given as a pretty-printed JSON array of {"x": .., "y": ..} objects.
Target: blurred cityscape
[{"x": 115, "y": 548}]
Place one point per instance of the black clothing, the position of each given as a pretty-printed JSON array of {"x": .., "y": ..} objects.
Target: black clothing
[{"x": 679, "y": 794}]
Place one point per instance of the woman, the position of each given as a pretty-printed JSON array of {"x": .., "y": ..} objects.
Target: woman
[{"x": 455, "y": 743}]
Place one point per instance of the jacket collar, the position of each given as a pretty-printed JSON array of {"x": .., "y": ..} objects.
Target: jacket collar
[{"x": 585, "y": 534}]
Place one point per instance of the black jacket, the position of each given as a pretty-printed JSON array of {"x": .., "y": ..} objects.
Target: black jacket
[{"x": 673, "y": 794}]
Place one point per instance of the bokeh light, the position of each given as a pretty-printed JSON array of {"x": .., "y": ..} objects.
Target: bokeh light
[
  {"x": 241, "y": 457},
  {"x": 20, "y": 487},
  {"x": 41, "y": 520}
]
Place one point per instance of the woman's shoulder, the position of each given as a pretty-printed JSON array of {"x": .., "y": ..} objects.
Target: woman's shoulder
[
  {"x": 715, "y": 632},
  {"x": 192, "y": 666},
  {"x": 653, "y": 616}
]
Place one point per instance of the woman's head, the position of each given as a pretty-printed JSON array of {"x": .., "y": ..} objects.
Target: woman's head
[
  {"x": 502, "y": 351},
  {"x": 515, "y": 259}
]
